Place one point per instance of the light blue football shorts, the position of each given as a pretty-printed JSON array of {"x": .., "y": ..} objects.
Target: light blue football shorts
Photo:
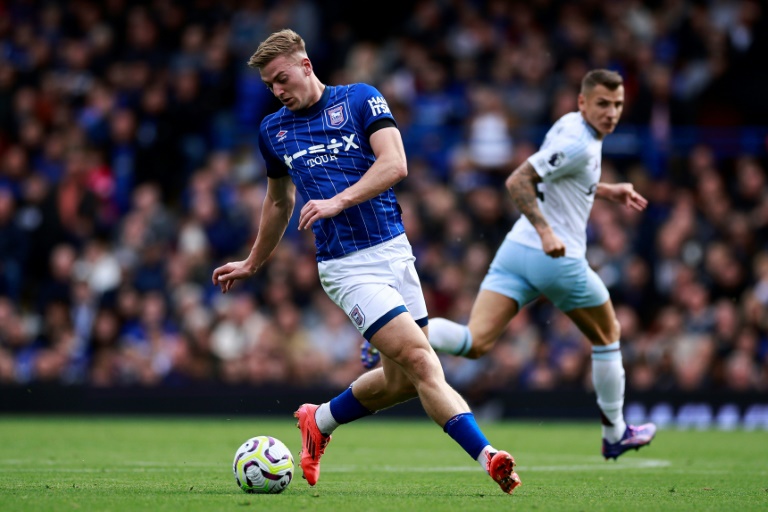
[
  {"x": 375, "y": 285},
  {"x": 523, "y": 273}
]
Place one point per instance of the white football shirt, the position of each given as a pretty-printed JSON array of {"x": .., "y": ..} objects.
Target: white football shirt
[{"x": 569, "y": 165}]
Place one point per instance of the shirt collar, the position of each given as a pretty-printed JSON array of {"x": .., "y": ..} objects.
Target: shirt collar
[{"x": 317, "y": 106}]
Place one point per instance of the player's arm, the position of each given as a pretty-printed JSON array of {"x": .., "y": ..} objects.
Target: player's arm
[
  {"x": 389, "y": 168},
  {"x": 621, "y": 193},
  {"x": 521, "y": 185},
  {"x": 275, "y": 215}
]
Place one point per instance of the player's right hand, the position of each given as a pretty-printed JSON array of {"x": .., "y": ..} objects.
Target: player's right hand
[
  {"x": 552, "y": 245},
  {"x": 226, "y": 275}
]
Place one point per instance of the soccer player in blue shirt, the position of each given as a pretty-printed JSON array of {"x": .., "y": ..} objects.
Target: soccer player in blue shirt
[{"x": 340, "y": 147}]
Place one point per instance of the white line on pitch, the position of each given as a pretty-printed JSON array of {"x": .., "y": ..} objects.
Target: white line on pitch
[{"x": 148, "y": 466}]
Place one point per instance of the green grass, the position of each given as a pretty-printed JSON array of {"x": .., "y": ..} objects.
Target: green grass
[{"x": 377, "y": 464}]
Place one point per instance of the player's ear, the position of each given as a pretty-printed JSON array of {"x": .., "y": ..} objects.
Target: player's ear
[{"x": 582, "y": 102}]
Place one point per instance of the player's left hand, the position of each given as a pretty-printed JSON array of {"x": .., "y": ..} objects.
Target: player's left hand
[
  {"x": 317, "y": 209},
  {"x": 625, "y": 193}
]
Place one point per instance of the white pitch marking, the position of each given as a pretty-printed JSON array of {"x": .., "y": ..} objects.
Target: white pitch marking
[
  {"x": 601, "y": 466},
  {"x": 149, "y": 466}
]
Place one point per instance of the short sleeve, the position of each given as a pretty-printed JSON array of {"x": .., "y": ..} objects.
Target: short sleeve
[
  {"x": 371, "y": 106},
  {"x": 562, "y": 156}
]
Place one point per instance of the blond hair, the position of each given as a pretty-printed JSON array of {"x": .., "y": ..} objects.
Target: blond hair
[{"x": 283, "y": 42}]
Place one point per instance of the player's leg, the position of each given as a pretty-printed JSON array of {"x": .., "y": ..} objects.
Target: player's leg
[
  {"x": 490, "y": 315},
  {"x": 410, "y": 367},
  {"x": 381, "y": 388},
  {"x": 599, "y": 325},
  {"x": 361, "y": 287},
  {"x": 502, "y": 292},
  {"x": 602, "y": 329}
]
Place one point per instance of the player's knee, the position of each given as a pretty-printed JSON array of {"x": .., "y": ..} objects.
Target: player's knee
[
  {"x": 605, "y": 335},
  {"x": 478, "y": 350},
  {"x": 419, "y": 363},
  {"x": 481, "y": 345}
]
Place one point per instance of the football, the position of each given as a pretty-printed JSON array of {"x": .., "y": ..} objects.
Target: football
[{"x": 263, "y": 465}]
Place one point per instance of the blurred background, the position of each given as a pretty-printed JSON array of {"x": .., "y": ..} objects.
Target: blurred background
[{"x": 129, "y": 170}]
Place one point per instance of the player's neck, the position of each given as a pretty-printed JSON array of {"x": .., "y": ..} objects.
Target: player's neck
[
  {"x": 318, "y": 88},
  {"x": 598, "y": 135}
]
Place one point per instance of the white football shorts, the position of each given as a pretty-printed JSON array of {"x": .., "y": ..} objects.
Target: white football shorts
[{"x": 375, "y": 285}]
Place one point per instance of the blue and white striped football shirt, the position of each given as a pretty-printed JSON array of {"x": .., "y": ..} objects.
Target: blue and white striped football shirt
[{"x": 325, "y": 149}]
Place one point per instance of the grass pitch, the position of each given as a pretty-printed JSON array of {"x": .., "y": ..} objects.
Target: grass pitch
[{"x": 376, "y": 464}]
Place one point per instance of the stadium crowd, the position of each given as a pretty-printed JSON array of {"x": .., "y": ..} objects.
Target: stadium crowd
[{"x": 129, "y": 170}]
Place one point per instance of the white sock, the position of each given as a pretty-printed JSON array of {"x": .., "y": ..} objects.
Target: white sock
[
  {"x": 483, "y": 458},
  {"x": 608, "y": 379},
  {"x": 325, "y": 420},
  {"x": 449, "y": 337}
]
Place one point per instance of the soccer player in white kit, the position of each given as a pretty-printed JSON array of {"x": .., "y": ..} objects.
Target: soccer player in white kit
[{"x": 545, "y": 253}]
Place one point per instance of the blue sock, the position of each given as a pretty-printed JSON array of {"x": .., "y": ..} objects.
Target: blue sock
[
  {"x": 345, "y": 407},
  {"x": 464, "y": 430}
]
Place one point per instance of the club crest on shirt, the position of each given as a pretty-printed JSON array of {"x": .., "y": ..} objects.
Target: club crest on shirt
[
  {"x": 335, "y": 116},
  {"x": 556, "y": 159},
  {"x": 357, "y": 316}
]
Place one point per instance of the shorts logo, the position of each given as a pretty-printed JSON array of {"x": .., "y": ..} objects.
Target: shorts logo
[
  {"x": 335, "y": 116},
  {"x": 357, "y": 316},
  {"x": 556, "y": 159}
]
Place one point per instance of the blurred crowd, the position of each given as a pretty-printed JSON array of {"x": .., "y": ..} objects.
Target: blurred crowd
[{"x": 129, "y": 170}]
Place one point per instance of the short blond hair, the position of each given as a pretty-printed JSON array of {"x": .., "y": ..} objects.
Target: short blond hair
[{"x": 283, "y": 42}]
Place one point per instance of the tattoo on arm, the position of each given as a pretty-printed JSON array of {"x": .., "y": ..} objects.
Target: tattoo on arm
[{"x": 522, "y": 187}]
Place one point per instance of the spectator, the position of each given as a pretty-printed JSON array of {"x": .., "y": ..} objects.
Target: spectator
[
  {"x": 127, "y": 162},
  {"x": 13, "y": 247}
]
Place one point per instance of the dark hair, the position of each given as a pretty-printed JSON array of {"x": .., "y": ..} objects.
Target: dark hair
[
  {"x": 283, "y": 42},
  {"x": 611, "y": 80}
]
